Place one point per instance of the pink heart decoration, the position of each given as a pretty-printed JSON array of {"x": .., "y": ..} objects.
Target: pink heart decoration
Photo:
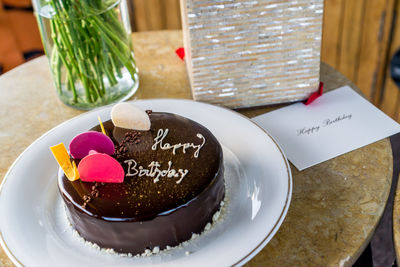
[
  {"x": 92, "y": 140},
  {"x": 100, "y": 168}
]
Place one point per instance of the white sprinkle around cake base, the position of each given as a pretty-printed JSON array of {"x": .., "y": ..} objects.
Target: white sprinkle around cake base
[{"x": 156, "y": 250}]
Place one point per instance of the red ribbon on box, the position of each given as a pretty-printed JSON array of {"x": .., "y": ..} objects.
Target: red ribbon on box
[
  {"x": 180, "y": 52},
  {"x": 315, "y": 95}
]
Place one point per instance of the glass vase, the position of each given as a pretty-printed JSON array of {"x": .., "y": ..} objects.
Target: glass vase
[{"x": 88, "y": 45}]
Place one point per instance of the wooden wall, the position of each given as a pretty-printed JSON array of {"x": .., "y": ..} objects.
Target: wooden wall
[
  {"x": 359, "y": 38},
  {"x": 358, "y": 41},
  {"x": 390, "y": 102},
  {"x": 155, "y": 15}
]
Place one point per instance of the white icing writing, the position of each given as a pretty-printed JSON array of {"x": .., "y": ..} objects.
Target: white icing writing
[
  {"x": 161, "y": 134},
  {"x": 154, "y": 171}
]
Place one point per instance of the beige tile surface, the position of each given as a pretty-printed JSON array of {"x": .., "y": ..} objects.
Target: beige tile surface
[{"x": 335, "y": 205}]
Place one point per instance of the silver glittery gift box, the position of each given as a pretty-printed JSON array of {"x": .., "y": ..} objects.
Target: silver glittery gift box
[{"x": 251, "y": 53}]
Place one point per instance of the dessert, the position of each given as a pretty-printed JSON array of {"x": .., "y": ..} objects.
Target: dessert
[{"x": 172, "y": 182}]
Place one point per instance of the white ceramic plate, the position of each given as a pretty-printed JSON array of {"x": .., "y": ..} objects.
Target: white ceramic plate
[{"x": 34, "y": 231}]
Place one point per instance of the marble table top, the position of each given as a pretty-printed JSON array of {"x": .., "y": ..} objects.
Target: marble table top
[
  {"x": 396, "y": 222},
  {"x": 335, "y": 207}
]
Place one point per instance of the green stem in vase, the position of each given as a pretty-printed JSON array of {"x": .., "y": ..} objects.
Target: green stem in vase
[
  {"x": 91, "y": 44},
  {"x": 55, "y": 62},
  {"x": 70, "y": 81}
]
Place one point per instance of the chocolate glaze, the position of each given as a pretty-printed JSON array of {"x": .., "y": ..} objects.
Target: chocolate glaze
[{"x": 139, "y": 214}]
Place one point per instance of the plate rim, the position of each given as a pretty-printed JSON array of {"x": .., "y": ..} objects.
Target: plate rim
[
  {"x": 284, "y": 211},
  {"x": 241, "y": 261}
]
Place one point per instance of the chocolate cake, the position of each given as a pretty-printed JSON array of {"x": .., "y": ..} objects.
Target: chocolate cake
[{"x": 172, "y": 187}]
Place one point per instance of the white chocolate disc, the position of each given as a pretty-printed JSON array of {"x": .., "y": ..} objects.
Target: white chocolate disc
[{"x": 128, "y": 116}]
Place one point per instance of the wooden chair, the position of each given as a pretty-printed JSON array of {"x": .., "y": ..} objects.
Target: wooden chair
[{"x": 20, "y": 38}]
